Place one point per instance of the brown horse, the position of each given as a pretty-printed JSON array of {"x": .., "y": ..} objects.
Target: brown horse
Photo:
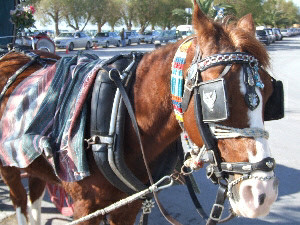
[{"x": 159, "y": 128}]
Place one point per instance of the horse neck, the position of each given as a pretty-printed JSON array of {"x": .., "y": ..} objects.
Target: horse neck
[{"x": 152, "y": 101}]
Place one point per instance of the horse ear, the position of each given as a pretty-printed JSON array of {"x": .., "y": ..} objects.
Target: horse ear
[
  {"x": 247, "y": 24},
  {"x": 201, "y": 23}
]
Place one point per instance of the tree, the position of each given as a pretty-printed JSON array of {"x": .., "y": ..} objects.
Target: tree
[
  {"x": 291, "y": 12},
  {"x": 205, "y": 5},
  {"x": 50, "y": 11},
  {"x": 113, "y": 13},
  {"x": 144, "y": 11},
  {"x": 182, "y": 15},
  {"x": 164, "y": 13},
  {"x": 77, "y": 13},
  {"x": 99, "y": 13},
  {"x": 278, "y": 13},
  {"x": 127, "y": 13}
]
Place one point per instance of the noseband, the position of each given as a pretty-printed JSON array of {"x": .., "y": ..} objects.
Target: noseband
[{"x": 210, "y": 102}]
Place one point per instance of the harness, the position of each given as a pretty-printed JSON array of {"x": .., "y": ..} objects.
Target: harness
[
  {"x": 111, "y": 86},
  {"x": 110, "y": 100},
  {"x": 210, "y": 104},
  {"x": 109, "y": 97}
]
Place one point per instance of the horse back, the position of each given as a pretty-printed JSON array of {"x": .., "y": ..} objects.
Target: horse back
[{"x": 13, "y": 61}]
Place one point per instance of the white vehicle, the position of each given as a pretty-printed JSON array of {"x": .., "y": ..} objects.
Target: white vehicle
[
  {"x": 73, "y": 40},
  {"x": 286, "y": 32},
  {"x": 185, "y": 30}
]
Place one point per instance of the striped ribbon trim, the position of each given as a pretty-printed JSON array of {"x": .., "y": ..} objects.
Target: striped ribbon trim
[{"x": 177, "y": 78}]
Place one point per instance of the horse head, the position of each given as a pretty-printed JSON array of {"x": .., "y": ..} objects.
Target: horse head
[{"x": 248, "y": 87}]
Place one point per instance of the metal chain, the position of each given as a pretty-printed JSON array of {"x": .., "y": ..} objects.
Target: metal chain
[{"x": 245, "y": 177}]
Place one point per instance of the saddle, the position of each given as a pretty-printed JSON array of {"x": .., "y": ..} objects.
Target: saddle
[{"x": 108, "y": 113}]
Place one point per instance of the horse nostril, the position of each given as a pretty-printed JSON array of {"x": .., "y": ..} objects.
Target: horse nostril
[{"x": 261, "y": 199}]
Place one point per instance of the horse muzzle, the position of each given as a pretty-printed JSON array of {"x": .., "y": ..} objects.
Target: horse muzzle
[{"x": 253, "y": 197}]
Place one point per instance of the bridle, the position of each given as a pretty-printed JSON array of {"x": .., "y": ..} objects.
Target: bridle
[{"x": 217, "y": 170}]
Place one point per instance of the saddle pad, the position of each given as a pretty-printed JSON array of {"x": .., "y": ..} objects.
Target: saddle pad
[{"x": 47, "y": 112}]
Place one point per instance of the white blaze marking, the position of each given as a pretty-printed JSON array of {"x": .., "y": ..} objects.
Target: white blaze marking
[
  {"x": 20, "y": 217},
  {"x": 255, "y": 120},
  {"x": 35, "y": 210}
]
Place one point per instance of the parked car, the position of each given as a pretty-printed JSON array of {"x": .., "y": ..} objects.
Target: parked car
[
  {"x": 169, "y": 36},
  {"x": 132, "y": 37},
  {"x": 105, "y": 39},
  {"x": 174, "y": 36},
  {"x": 271, "y": 33},
  {"x": 263, "y": 36},
  {"x": 286, "y": 32},
  {"x": 150, "y": 36},
  {"x": 278, "y": 35},
  {"x": 73, "y": 40}
]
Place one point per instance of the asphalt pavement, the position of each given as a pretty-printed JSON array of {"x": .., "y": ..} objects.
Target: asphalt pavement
[{"x": 284, "y": 142}]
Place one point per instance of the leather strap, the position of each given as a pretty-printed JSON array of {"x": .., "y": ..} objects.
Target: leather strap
[
  {"x": 192, "y": 193},
  {"x": 12, "y": 79},
  {"x": 267, "y": 164},
  {"x": 191, "y": 80},
  {"x": 144, "y": 219},
  {"x": 118, "y": 82},
  {"x": 33, "y": 58},
  {"x": 218, "y": 206}
]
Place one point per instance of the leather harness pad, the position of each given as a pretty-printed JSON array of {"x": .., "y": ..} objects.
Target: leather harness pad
[
  {"x": 274, "y": 109},
  {"x": 102, "y": 102},
  {"x": 101, "y": 107},
  {"x": 213, "y": 100}
]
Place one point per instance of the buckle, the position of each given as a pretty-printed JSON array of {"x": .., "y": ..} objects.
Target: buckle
[
  {"x": 189, "y": 85},
  {"x": 216, "y": 212}
]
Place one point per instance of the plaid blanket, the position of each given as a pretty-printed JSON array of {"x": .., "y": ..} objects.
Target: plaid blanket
[{"x": 47, "y": 112}]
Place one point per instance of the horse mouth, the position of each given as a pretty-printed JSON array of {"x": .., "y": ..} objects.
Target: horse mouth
[{"x": 254, "y": 198}]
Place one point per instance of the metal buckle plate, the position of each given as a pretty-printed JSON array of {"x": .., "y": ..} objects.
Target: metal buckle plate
[{"x": 216, "y": 212}]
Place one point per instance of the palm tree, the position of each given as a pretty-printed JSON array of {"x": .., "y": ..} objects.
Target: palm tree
[{"x": 205, "y": 5}]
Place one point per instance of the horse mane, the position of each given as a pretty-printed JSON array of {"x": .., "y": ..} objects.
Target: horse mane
[
  {"x": 246, "y": 42},
  {"x": 231, "y": 34}
]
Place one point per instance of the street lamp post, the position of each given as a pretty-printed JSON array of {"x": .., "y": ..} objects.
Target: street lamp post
[{"x": 189, "y": 12}]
